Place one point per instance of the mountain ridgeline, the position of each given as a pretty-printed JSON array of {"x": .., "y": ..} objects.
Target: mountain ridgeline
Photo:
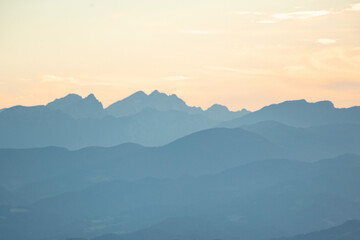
[
  {"x": 156, "y": 119},
  {"x": 151, "y": 167},
  {"x": 74, "y": 122}
]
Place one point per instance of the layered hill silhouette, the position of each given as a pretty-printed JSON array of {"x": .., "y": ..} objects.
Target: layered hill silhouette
[
  {"x": 49, "y": 171},
  {"x": 152, "y": 120},
  {"x": 151, "y": 167},
  {"x": 29, "y": 127},
  {"x": 261, "y": 200},
  {"x": 350, "y": 230}
]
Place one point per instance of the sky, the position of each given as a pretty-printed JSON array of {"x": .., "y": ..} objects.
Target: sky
[{"x": 242, "y": 54}]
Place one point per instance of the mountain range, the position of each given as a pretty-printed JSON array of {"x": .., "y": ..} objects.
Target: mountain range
[
  {"x": 300, "y": 113},
  {"x": 152, "y": 167},
  {"x": 89, "y": 107},
  {"x": 75, "y": 122},
  {"x": 156, "y": 119}
]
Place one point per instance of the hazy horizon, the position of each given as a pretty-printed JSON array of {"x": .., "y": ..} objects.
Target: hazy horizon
[
  {"x": 149, "y": 92},
  {"x": 235, "y": 53}
]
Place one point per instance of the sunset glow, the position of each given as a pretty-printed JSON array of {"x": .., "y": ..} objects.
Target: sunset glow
[{"x": 237, "y": 53}]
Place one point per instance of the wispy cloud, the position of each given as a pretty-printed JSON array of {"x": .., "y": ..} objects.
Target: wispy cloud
[
  {"x": 326, "y": 41},
  {"x": 336, "y": 61},
  {"x": 72, "y": 80},
  {"x": 252, "y": 71},
  {"x": 175, "y": 78},
  {"x": 248, "y": 13},
  {"x": 294, "y": 68},
  {"x": 117, "y": 16},
  {"x": 344, "y": 85},
  {"x": 200, "y": 32},
  {"x": 53, "y": 78},
  {"x": 354, "y": 7},
  {"x": 268, "y": 21},
  {"x": 303, "y": 15}
]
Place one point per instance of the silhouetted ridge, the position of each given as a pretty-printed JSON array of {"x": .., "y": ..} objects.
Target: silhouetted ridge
[
  {"x": 300, "y": 113},
  {"x": 78, "y": 107},
  {"x": 217, "y": 107},
  {"x": 259, "y": 201},
  {"x": 156, "y": 100},
  {"x": 220, "y": 113},
  {"x": 139, "y": 101}
]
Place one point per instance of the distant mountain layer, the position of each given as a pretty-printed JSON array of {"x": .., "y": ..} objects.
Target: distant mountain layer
[
  {"x": 75, "y": 122},
  {"x": 299, "y": 114},
  {"x": 151, "y": 120},
  {"x": 348, "y": 231},
  {"x": 163, "y": 102},
  {"x": 49, "y": 171},
  {"x": 89, "y": 107},
  {"x": 29, "y": 127},
  {"x": 156, "y": 100}
]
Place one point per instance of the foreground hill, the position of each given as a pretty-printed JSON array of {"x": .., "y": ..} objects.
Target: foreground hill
[
  {"x": 347, "y": 231},
  {"x": 261, "y": 200}
]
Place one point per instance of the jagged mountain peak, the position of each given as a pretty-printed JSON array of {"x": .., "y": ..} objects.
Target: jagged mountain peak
[
  {"x": 156, "y": 100},
  {"x": 91, "y": 96},
  {"x": 78, "y": 107}
]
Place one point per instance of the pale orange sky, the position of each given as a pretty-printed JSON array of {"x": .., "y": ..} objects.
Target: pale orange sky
[{"x": 238, "y": 53}]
